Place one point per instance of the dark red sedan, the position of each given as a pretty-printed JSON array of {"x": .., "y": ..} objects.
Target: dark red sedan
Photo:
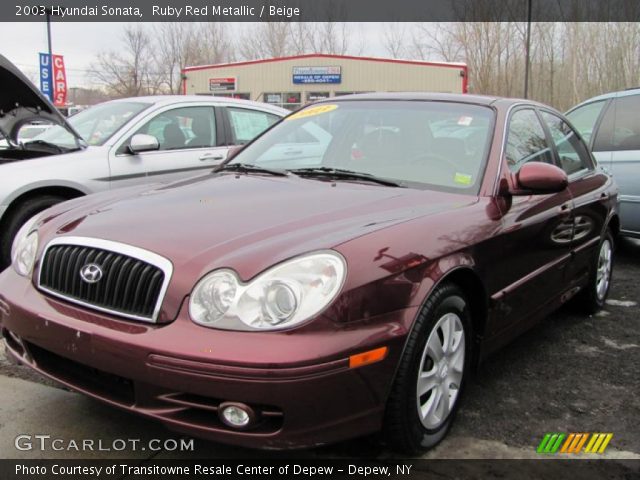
[{"x": 340, "y": 275}]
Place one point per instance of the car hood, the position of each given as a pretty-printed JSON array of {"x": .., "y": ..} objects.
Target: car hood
[
  {"x": 21, "y": 102},
  {"x": 225, "y": 219},
  {"x": 244, "y": 222}
]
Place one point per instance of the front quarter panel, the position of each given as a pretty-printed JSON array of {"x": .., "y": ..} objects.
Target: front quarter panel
[
  {"x": 81, "y": 171},
  {"x": 396, "y": 268}
]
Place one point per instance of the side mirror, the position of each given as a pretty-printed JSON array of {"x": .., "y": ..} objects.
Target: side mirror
[
  {"x": 233, "y": 151},
  {"x": 142, "y": 142},
  {"x": 541, "y": 178}
]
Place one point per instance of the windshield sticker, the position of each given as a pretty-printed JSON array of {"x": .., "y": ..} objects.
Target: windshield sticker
[
  {"x": 465, "y": 121},
  {"x": 463, "y": 179},
  {"x": 310, "y": 112}
]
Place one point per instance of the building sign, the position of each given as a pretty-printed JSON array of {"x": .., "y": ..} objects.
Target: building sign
[
  {"x": 273, "y": 98},
  {"x": 314, "y": 96},
  {"x": 60, "y": 81},
  {"x": 45, "y": 75},
  {"x": 222, "y": 84},
  {"x": 317, "y": 75}
]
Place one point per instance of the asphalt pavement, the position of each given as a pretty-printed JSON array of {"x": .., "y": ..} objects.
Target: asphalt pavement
[{"x": 570, "y": 373}]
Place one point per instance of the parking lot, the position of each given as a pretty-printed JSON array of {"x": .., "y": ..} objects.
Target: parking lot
[{"x": 571, "y": 373}]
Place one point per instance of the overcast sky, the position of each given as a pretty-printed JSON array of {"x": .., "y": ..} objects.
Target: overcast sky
[{"x": 80, "y": 42}]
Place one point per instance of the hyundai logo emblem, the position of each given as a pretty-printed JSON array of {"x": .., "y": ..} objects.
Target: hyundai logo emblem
[{"x": 91, "y": 273}]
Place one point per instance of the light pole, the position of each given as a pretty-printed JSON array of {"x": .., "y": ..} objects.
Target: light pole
[
  {"x": 527, "y": 49},
  {"x": 49, "y": 12}
]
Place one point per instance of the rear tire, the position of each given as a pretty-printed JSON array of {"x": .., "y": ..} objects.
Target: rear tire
[
  {"x": 426, "y": 393},
  {"x": 17, "y": 218},
  {"x": 594, "y": 295}
]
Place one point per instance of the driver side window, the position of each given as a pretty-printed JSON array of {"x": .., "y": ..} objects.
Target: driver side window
[
  {"x": 572, "y": 152},
  {"x": 182, "y": 128},
  {"x": 526, "y": 141}
]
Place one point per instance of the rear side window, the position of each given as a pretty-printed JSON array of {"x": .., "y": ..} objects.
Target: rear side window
[
  {"x": 526, "y": 141},
  {"x": 572, "y": 152},
  {"x": 584, "y": 118},
  {"x": 247, "y": 124},
  {"x": 626, "y": 124}
]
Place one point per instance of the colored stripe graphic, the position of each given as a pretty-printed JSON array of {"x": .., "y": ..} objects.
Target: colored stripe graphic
[
  {"x": 598, "y": 442},
  {"x": 550, "y": 443},
  {"x": 574, "y": 443}
]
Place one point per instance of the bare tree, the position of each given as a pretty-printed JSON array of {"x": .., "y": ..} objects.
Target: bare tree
[
  {"x": 212, "y": 43},
  {"x": 182, "y": 44},
  {"x": 330, "y": 37},
  {"x": 130, "y": 71},
  {"x": 268, "y": 39},
  {"x": 281, "y": 39},
  {"x": 436, "y": 41},
  {"x": 394, "y": 39},
  {"x": 173, "y": 52}
]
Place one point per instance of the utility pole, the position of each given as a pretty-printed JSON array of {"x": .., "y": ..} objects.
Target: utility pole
[
  {"x": 49, "y": 13},
  {"x": 527, "y": 50}
]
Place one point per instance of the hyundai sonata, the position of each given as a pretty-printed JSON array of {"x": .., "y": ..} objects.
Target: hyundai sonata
[{"x": 340, "y": 275}]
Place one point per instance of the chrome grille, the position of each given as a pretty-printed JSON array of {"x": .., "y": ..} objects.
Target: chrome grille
[{"x": 132, "y": 281}]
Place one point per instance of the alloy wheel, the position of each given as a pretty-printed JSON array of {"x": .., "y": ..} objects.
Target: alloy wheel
[
  {"x": 441, "y": 370},
  {"x": 603, "y": 272}
]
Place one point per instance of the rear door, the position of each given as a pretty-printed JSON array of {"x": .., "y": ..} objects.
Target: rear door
[{"x": 589, "y": 189}]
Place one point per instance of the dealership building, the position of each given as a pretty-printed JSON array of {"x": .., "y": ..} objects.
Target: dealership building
[{"x": 294, "y": 81}]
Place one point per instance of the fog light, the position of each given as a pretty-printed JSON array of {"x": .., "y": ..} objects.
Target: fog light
[{"x": 236, "y": 415}]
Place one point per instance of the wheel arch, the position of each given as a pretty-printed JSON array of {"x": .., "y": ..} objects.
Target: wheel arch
[
  {"x": 66, "y": 192},
  {"x": 473, "y": 287},
  {"x": 614, "y": 225},
  {"x": 467, "y": 279}
]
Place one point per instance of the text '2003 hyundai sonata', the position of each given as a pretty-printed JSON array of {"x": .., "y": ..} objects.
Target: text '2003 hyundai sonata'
[{"x": 340, "y": 275}]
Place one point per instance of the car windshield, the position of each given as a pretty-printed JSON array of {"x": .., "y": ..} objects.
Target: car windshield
[
  {"x": 95, "y": 125},
  {"x": 420, "y": 144}
]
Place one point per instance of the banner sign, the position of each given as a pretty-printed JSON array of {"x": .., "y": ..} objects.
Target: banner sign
[
  {"x": 222, "y": 84},
  {"x": 45, "y": 75},
  {"x": 317, "y": 75},
  {"x": 60, "y": 81}
]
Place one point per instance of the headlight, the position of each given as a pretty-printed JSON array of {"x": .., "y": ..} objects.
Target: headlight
[
  {"x": 24, "y": 248},
  {"x": 281, "y": 297}
]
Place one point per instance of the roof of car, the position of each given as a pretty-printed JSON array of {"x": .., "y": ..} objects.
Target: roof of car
[
  {"x": 606, "y": 96},
  {"x": 170, "y": 99},
  {"x": 447, "y": 97},
  {"x": 428, "y": 96}
]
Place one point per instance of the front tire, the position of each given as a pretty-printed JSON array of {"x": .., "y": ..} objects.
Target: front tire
[
  {"x": 19, "y": 217},
  {"x": 430, "y": 379}
]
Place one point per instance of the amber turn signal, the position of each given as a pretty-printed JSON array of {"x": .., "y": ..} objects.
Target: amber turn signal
[{"x": 366, "y": 358}]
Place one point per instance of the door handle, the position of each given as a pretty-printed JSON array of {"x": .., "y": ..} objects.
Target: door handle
[
  {"x": 211, "y": 156},
  {"x": 292, "y": 152},
  {"x": 564, "y": 207}
]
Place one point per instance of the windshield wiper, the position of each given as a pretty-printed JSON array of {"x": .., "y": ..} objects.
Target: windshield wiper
[
  {"x": 343, "y": 173},
  {"x": 249, "y": 168}
]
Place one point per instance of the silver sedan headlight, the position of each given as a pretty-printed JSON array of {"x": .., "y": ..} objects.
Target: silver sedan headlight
[
  {"x": 281, "y": 297},
  {"x": 25, "y": 247}
]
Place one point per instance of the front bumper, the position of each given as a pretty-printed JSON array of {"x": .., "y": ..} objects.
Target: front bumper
[{"x": 299, "y": 382}]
